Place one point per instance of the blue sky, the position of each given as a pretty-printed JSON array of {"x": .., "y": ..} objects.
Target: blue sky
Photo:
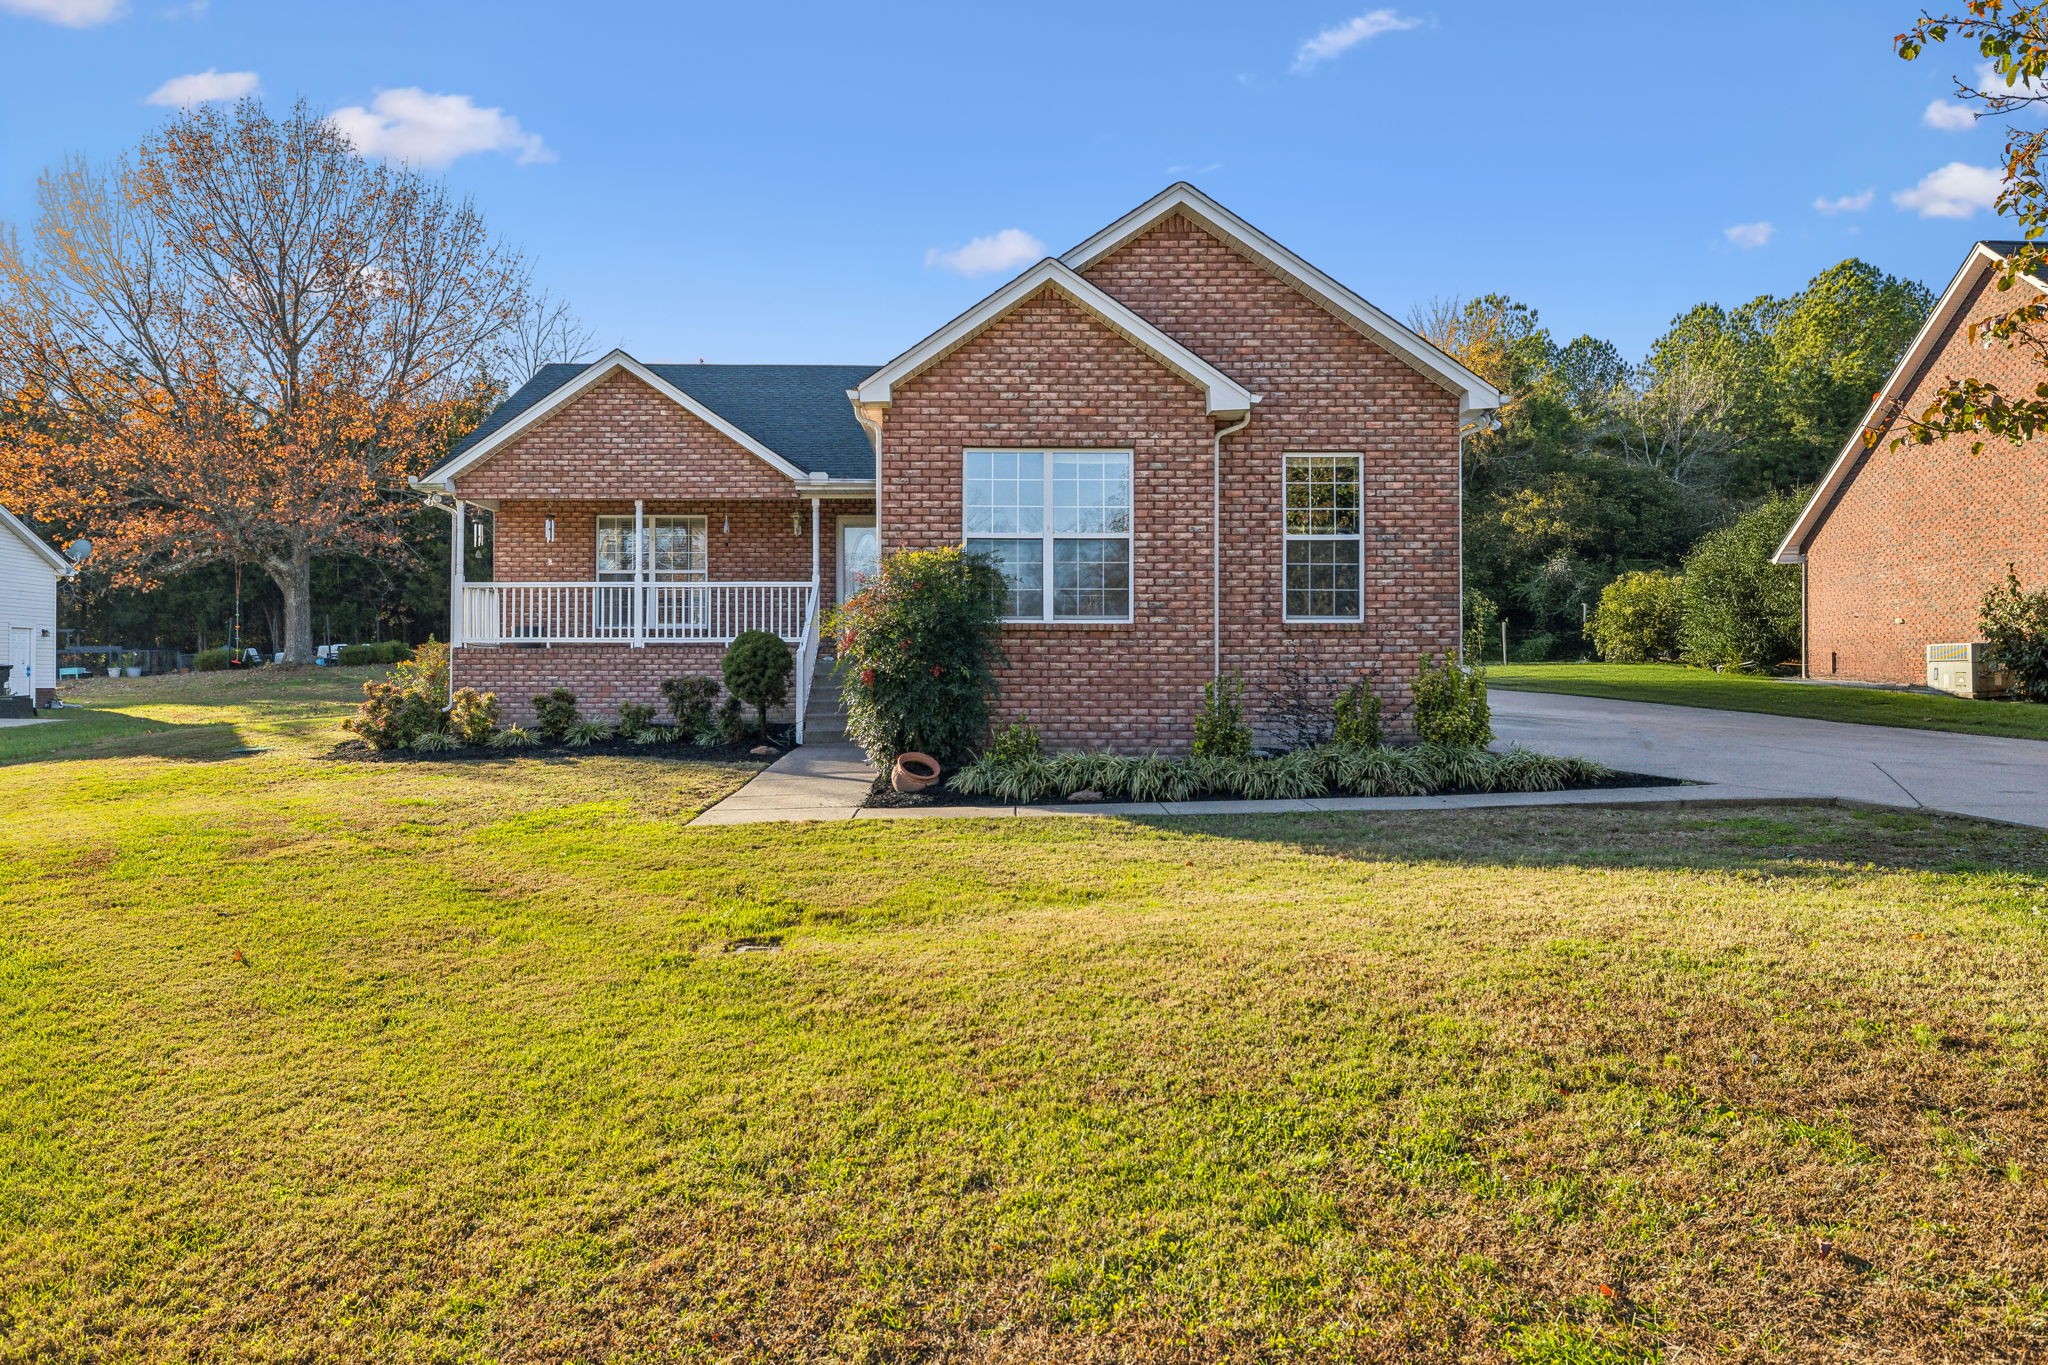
[{"x": 792, "y": 182}]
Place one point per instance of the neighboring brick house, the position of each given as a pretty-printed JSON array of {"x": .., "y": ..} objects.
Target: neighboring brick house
[
  {"x": 1192, "y": 452},
  {"x": 1898, "y": 547}
]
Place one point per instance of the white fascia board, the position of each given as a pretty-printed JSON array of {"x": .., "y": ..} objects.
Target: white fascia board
[
  {"x": 1224, "y": 394},
  {"x": 1792, "y": 550},
  {"x": 63, "y": 566},
  {"x": 443, "y": 479},
  {"x": 1476, "y": 395}
]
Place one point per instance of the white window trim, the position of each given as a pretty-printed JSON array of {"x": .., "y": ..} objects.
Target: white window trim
[
  {"x": 1046, "y": 536},
  {"x": 597, "y": 569},
  {"x": 1287, "y": 536}
]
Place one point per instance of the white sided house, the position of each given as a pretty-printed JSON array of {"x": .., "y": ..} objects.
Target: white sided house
[{"x": 29, "y": 570}]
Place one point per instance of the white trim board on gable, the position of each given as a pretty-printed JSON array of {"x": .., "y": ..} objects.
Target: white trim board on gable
[
  {"x": 20, "y": 528},
  {"x": 443, "y": 478},
  {"x": 1225, "y": 396},
  {"x": 1477, "y": 396}
]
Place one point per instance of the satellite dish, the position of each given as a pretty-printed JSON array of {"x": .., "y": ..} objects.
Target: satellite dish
[{"x": 78, "y": 550}]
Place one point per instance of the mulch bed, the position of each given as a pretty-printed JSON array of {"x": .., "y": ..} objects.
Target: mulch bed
[
  {"x": 358, "y": 751},
  {"x": 882, "y": 795}
]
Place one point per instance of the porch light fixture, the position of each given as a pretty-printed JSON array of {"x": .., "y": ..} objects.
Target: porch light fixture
[
  {"x": 725, "y": 525},
  {"x": 547, "y": 529},
  {"x": 796, "y": 522}
]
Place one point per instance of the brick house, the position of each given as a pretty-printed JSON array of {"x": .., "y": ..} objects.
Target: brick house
[
  {"x": 1191, "y": 451},
  {"x": 1897, "y": 547}
]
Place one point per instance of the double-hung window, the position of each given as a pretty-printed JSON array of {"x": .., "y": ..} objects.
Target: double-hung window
[
  {"x": 1058, "y": 524},
  {"x": 675, "y": 549},
  {"x": 1325, "y": 547}
]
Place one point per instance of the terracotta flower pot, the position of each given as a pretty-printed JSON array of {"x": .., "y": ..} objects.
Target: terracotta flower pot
[{"x": 913, "y": 773}]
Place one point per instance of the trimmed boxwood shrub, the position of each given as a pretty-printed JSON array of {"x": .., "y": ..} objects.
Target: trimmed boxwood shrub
[
  {"x": 689, "y": 700},
  {"x": 634, "y": 717},
  {"x": 917, "y": 654},
  {"x": 757, "y": 668},
  {"x": 210, "y": 660},
  {"x": 555, "y": 715},
  {"x": 1638, "y": 618},
  {"x": 1450, "y": 705}
]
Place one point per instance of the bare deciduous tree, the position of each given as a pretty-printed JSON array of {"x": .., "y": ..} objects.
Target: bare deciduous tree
[{"x": 1673, "y": 420}]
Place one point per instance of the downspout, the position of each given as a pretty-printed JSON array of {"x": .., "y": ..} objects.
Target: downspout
[
  {"x": 1215, "y": 542},
  {"x": 873, "y": 427}
]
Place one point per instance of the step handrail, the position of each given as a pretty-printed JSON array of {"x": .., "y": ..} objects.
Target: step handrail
[{"x": 806, "y": 662}]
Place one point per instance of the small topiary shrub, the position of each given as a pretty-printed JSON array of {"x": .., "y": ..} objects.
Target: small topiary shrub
[
  {"x": 757, "y": 668},
  {"x": 210, "y": 660},
  {"x": 1220, "y": 730},
  {"x": 473, "y": 715},
  {"x": 392, "y": 717},
  {"x": 1358, "y": 718},
  {"x": 1016, "y": 741},
  {"x": 555, "y": 714},
  {"x": 689, "y": 700},
  {"x": 917, "y": 654},
  {"x": 1450, "y": 705},
  {"x": 634, "y": 718},
  {"x": 1638, "y": 618},
  {"x": 2015, "y": 622}
]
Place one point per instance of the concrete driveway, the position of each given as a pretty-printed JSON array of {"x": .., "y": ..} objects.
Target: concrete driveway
[{"x": 2000, "y": 779}]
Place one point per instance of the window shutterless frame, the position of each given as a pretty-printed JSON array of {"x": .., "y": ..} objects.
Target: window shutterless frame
[
  {"x": 678, "y": 547},
  {"x": 1062, "y": 518},
  {"x": 1322, "y": 530}
]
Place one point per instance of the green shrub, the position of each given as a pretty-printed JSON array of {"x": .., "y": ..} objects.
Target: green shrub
[
  {"x": 1742, "y": 611},
  {"x": 1358, "y": 718},
  {"x": 689, "y": 700},
  {"x": 729, "y": 726},
  {"x": 1220, "y": 730},
  {"x": 634, "y": 718},
  {"x": 757, "y": 668},
  {"x": 587, "y": 732},
  {"x": 1017, "y": 740},
  {"x": 473, "y": 715},
  {"x": 2015, "y": 622},
  {"x": 1482, "y": 626},
  {"x": 917, "y": 654},
  {"x": 356, "y": 656},
  {"x": 660, "y": 734},
  {"x": 555, "y": 714},
  {"x": 513, "y": 737},
  {"x": 392, "y": 717},
  {"x": 1638, "y": 618},
  {"x": 1538, "y": 649},
  {"x": 210, "y": 660},
  {"x": 1450, "y": 705},
  {"x": 434, "y": 742}
]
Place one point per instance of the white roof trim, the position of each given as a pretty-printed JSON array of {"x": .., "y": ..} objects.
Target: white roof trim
[
  {"x": 443, "y": 478},
  {"x": 1224, "y": 394},
  {"x": 1982, "y": 257},
  {"x": 35, "y": 542},
  {"x": 1476, "y": 394}
]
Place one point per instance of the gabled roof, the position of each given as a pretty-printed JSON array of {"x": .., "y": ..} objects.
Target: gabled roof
[
  {"x": 795, "y": 417},
  {"x": 1476, "y": 394},
  {"x": 26, "y": 534},
  {"x": 1983, "y": 258},
  {"x": 1224, "y": 394}
]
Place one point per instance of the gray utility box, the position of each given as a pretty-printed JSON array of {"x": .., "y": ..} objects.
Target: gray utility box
[{"x": 1967, "y": 670}]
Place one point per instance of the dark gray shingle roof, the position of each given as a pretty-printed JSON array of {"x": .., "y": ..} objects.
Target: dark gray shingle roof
[{"x": 798, "y": 411}]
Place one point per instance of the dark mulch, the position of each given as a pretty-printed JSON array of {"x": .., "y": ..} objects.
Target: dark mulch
[
  {"x": 357, "y": 751},
  {"x": 881, "y": 794}
]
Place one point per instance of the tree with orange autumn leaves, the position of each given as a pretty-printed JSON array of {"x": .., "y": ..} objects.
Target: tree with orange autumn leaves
[{"x": 239, "y": 342}]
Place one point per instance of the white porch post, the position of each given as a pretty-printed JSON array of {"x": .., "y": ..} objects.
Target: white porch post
[
  {"x": 458, "y": 527},
  {"x": 814, "y": 554},
  {"x": 639, "y": 573}
]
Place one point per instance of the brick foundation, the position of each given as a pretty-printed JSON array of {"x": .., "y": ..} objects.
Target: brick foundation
[{"x": 602, "y": 676}]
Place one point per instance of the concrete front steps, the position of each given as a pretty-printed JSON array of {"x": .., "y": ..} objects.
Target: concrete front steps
[{"x": 825, "y": 720}]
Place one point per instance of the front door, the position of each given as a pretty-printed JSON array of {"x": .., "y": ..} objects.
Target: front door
[{"x": 860, "y": 552}]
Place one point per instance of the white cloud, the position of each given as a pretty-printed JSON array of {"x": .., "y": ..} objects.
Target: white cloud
[
  {"x": 1846, "y": 203},
  {"x": 203, "y": 87},
  {"x": 1338, "y": 39},
  {"x": 1957, "y": 190},
  {"x": 1005, "y": 250},
  {"x": 1991, "y": 83},
  {"x": 70, "y": 13},
  {"x": 1949, "y": 116},
  {"x": 413, "y": 126},
  {"x": 1749, "y": 236}
]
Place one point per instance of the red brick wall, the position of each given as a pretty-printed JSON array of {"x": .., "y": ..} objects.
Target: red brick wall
[
  {"x": 1323, "y": 388},
  {"x": 601, "y": 676},
  {"x": 1051, "y": 375},
  {"x": 1918, "y": 534},
  {"x": 621, "y": 439}
]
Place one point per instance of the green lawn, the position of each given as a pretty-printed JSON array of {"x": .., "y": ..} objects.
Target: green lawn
[
  {"x": 1682, "y": 686},
  {"x": 309, "y": 1059}
]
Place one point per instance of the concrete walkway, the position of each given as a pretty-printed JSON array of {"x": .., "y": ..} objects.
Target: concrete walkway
[{"x": 1997, "y": 779}]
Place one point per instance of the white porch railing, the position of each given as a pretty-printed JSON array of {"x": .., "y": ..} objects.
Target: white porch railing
[
  {"x": 632, "y": 613},
  {"x": 807, "y": 663}
]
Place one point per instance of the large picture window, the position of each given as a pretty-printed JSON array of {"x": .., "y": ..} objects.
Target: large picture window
[
  {"x": 1058, "y": 522},
  {"x": 676, "y": 549},
  {"x": 1325, "y": 538}
]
